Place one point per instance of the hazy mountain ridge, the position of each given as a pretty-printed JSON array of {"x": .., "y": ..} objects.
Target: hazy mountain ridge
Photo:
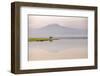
[{"x": 57, "y": 30}]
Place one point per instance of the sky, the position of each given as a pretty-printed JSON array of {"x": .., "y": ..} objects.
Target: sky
[{"x": 39, "y": 21}]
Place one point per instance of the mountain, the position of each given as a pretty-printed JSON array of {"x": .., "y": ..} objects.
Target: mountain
[{"x": 57, "y": 30}]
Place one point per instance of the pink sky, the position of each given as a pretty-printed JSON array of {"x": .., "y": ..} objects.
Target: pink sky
[{"x": 36, "y": 21}]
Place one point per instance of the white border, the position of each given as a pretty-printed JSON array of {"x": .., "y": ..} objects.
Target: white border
[{"x": 25, "y": 64}]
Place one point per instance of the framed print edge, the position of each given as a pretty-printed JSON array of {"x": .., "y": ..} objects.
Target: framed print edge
[
  {"x": 15, "y": 41},
  {"x": 15, "y": 37}
]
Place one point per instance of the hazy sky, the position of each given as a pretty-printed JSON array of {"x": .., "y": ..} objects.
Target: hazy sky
[{"x": 73, "y": 22}]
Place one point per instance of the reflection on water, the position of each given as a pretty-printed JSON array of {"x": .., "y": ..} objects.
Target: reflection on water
[{"x": 58, "y": 49}]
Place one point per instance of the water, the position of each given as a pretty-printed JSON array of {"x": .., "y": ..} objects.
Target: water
[{"x": 58, "y": 49}]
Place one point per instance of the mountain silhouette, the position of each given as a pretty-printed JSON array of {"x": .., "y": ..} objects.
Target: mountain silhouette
[{"x": 56, "y": 30}]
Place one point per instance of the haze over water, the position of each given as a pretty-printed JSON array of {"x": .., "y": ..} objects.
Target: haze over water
[{"x": 72, "y": 42}]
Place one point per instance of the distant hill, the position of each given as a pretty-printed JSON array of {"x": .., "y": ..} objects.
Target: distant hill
[{"x": 57, "y": 30}]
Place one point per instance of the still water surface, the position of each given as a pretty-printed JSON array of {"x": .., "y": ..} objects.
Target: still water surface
[{"x": 58, "y": 49}]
